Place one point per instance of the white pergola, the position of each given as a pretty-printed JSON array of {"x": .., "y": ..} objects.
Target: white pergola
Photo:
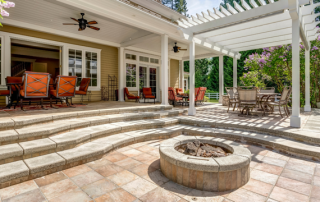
[{"x": 246, "y": 27}]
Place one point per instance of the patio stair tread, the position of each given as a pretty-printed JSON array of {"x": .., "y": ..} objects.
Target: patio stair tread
[
  {"x": 101, "y": 146},
  {"x": 47, "y": 129}
]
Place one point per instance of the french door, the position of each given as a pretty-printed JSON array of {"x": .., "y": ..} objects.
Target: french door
[{"x": 148, "y": 78}]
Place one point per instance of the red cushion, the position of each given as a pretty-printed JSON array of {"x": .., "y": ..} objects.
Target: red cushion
[
  {"x": 135, "y": 97},
  {"x": 80, "y": 92},
  {"x": 4, "y": 92},
  {"x": 150, "y": 96}
]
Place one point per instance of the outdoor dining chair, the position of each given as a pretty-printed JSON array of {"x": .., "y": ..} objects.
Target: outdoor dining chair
[
  {"x": 247, "y": 98},
  {"x": 83, "y": 89},
  {"x": 130, "y": 96},
  {"x": 147, "y": 94},
  {"x": 173, "y": 97},
  {"x": 200, "y": 95},
  {"x": 65, "y": 88},
  {"x": 284, "y": 99},
  {"x": 232, "y": 97},
  {"x": 35, "y": 85},
  {"x": 179, "y": 91}
]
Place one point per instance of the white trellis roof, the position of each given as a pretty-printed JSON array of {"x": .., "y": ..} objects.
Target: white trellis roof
[{"x": 246, "y": 27}]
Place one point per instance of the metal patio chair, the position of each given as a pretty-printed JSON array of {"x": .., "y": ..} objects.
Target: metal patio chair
[
  {"x": 65, "y": 88},
  {"x": 247, "y": 98},
  {"x": 284, "y": 100},
  {"x": 232, "y": 97},
  {"x": 173, "y": 97}
]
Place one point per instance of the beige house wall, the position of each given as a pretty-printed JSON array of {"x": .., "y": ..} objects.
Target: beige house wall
[
  {"x": 174, "y": 73},
  {"x": 109, "y": 54}
]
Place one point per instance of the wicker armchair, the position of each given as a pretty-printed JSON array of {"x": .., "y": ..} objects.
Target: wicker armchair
[
  {"x": 232, "y": 97},
  {"x": 247, "y": 98},
  {"x": 284, "y": 99}
]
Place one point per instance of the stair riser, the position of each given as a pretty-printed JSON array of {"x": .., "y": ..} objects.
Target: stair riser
[
  {"x": 283, "y": 134},
  {"x": 65, "y": 146},
  {"x": 45, "y": 133}
]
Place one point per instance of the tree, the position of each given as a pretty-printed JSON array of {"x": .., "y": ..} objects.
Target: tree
[
  {"x": 177, "y": 5},
  {"x": 5, "y": 4}
]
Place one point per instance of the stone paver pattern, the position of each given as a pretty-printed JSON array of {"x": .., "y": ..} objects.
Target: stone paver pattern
[{"x": 132, "y": 174}]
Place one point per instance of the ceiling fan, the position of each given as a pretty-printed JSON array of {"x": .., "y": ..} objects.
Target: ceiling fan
[
  {"x": 176, "y": 49},
  {"x": 83, "y": 23}
]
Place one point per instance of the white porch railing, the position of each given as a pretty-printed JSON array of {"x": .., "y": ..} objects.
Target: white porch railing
[{"x": 213, "y": 95}]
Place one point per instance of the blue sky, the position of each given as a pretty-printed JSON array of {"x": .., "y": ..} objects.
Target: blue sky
[{"x": 196, "y": 6}]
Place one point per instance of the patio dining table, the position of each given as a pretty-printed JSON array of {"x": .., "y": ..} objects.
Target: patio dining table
[{"x": 185, "y": 98}]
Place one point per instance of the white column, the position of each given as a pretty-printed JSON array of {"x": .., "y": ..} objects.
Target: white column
[
  {"x": 221, "y": 79},
  {"x": 181, "y": 73},
  {"x": 121, "y": 73},
  {"x": 6, "y": 64},
  {"x": 307, "y": 106},
  {"x": 164, "y": 69},
  {"x": 295, "y": 120},
  {"x": 192, "y": 109},
  {"x": 235, "y": 72}
]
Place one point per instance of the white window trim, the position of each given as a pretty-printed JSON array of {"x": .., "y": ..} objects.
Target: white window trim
[
  {"x": 138, "y": 63},
  {"x": 6, "y": 55}
]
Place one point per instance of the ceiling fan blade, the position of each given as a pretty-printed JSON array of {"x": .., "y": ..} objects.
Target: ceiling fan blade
[
  {"x": 92, "y": 22},
  {"x": 75, "y": 19},
  {"x": 80, "y": 29},
  {"x": 69, "y": 24},
  {"x": 179, "y": 47},
  {"x": 183, "y": 49},
  {"x": 95, "y": 28}
]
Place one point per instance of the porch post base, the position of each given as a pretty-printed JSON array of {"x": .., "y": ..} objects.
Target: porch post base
[
  {"x": 295, "y": 121},
  {"x": 307, "y": 108},
  {"x": 192, "y": 111}
]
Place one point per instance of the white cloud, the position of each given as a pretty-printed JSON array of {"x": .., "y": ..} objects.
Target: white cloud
[{"x": 196, "y": 6}]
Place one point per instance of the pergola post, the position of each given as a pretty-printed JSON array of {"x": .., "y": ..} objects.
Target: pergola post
[
  {"x": 164, "y": 69},
  {"x": 295, "y": 120},
  {"x": 221, "y": 79},
  {"x": 235, "y": 72},
  {"x": 121, "y": 73},
  {"x": 307, "y": 106},
  {"x": 192, "y": 109}
]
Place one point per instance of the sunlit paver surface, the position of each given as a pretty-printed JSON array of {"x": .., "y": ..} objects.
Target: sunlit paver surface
[{"x": 132, "y": 174}]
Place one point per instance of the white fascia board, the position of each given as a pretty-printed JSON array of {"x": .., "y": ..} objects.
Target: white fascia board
[
  {"x": 138, "y": 40},
  {"x": 253, "y": 37},
  {"x": 253, "y": 31},
  {"x": 241, "y": 17},
  {"x": 8, "y": 21},
  {"x": 248, "y": 25},
  {"x": 197, "y": 57}
]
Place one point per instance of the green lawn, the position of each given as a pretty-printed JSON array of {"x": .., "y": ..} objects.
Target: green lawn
[{"x": 214, "y": 100}]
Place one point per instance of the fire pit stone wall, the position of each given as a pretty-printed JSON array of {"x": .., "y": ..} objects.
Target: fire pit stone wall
[{"x": 205, "y": 173}]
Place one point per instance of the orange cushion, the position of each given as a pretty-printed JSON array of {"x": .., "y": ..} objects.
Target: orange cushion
[
  {"x": 150, "y": 96},
  {"x": 131, "y": 95},
  {"x": 54, "y": 93},
  {"x": 4, "y": 92},
  {"x": 32, "y": 94},
  {"x": 80, "y": 92}
]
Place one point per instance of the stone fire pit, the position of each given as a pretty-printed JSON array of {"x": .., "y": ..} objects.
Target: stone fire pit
[{"x": 205, "y": 173}]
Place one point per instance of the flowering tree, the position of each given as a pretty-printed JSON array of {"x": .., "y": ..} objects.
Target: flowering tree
[
  {"x": 275, "y": 65},
  {"x": 5, "y": 4}
]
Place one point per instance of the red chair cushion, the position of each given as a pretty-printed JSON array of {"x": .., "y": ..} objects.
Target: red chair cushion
[
  {"x": 17, "y": 80},
  {"x": 135, "y": 97},
  {"x": 79, "y": 92},
  {"x": 84, "y": 84},
  {"x": 147, "y": 91},
  {"x": 4, "y": 92},
  {"x": 54, "y": 93},
  {"x": 150, "y": 96}
]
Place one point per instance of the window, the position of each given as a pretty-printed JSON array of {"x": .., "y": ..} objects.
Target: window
[
  {"x": 131, "y": 75},
  {"x": 142, "y": 77},
  {"x": 91, "y": 67},
  {"x": 130, "y": 57},
  {"x": 154, "y": 61},
  {"x": 75, "y": 64},
  {"x": 144, "y": 59},
  {"x": 84, "y": 64}
]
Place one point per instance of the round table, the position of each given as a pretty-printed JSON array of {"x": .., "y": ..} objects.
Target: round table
[{"x": 265, "y": 96}]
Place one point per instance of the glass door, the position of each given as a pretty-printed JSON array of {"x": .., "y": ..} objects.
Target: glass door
[
  {"x": 153, "y": 80},
  {"x": 143, "y": 78}
]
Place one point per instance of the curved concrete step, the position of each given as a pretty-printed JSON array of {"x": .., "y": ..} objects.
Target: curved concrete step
[
  {"x": 289, "y": 133},
  {"x": 60, "y": 114},
  {"x": 42, "y": 165},
  {"x": 74, "y": 138},
  {"x": 47, "y": 129}
]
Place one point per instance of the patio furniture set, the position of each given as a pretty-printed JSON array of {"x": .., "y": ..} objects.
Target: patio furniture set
[
  {"x": 177, "y": 96},
  {"x": 264, "y": 99},
  {"x": 38, "y": 87}
]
